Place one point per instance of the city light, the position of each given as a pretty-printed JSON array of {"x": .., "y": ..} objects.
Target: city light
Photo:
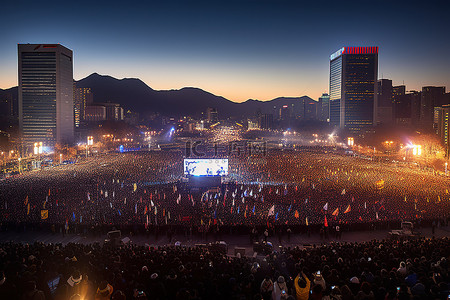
[
  {"x": 417, "y": 150},
  {"x": 38, "y": 148},
  {"x": 350, "y": 141}
]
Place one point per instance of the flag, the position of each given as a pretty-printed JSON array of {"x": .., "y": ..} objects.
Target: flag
[
  {"x": 151, "y": 203},
  {"x": 365, "y": 205},
  {"x": 325, "y": 207},
  {"x": 335, "y": 212},
  {"x": 343, "y": 192},
  {"x": 348, "y": 209},
  {"x": 376, "y": 215},
  {"x": 179, "y": 199},
  {"x": 73, "y": 216},
  {"x": 325, "y": 223},
  {"x": 26, "y": 201},
  {"x": 296, "y": 215},
  {"x": 28, "y": 209},
  {"x": 134, "y": 187},
  {"x": 271, "y": 211},
  {"x": 49, "y": 191},
  {"x": 253, "y": 210},
  {"x": 88, "y": 196}
]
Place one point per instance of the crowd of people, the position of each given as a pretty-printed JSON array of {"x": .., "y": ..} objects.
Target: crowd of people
[
  {"x": 278, "y": 187},
  {"x": 370, "y": 270}
]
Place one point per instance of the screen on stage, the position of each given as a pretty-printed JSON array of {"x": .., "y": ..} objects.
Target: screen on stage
[{"x": 206, "y": 166}]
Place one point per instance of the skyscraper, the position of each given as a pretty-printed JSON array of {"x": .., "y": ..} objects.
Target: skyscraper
[
  {"x": 353, "y": 88},
  {"x": 46, "y": 94},
  {"x": 324, "y": 108},
  {"x": 384, "y": 102},
  {"x": 432, "y": 96}
]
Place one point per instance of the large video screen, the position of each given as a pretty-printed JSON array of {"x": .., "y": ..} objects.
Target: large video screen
[{"x": 206, "y": 166}]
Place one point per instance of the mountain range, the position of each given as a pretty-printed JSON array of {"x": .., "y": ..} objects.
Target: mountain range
[{"x": 133, "y": 94}]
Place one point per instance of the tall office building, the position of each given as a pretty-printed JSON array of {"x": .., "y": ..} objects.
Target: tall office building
[
  {"x": 353, "y": 88},
  {"x": 323, "y": 113},
  {"x": 46, "y": 94},
  {"x": 432, "y": 96},
  {"x": 384, "y": 102}
]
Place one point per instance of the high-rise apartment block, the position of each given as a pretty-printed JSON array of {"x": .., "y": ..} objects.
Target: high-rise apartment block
[
  {"x": 353, "y": 88},
  {"x": 46, "y": 94}
]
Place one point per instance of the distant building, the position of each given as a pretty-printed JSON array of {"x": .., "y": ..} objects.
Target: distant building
[
  {"x": 113, "y": 112},
  {"x": 131, "y": 117},
  {"x": 310, "y": 111},
  {"x": 442, "y": 122},
  {"x": 384, "y": 102},
  {"x": 265, "y": 121},
  {"x": 353, "y": 88},
  {"x": 8, "y": 105},
  {"x": 323, "y": 113},
  {"x": 406, "y": 106},
  {"x": 252, "y": 124},
  {"x": 397, "y": 93},
  {"x": 46, "y": 94},
  {"x": 82, "y": 98},
  {"x": 212, "y": 115},
  {"x": 95, "y": 113},
  {"x": 432, "y": 96}
]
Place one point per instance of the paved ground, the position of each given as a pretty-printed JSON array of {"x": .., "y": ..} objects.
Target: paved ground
[{"x": 233, "y": 241}]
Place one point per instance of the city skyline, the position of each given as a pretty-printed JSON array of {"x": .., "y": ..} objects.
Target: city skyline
[{"x": 246, "y": 50}]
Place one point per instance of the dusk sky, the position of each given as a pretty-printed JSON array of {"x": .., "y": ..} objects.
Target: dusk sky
[{"x": 235, "y": 49}]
